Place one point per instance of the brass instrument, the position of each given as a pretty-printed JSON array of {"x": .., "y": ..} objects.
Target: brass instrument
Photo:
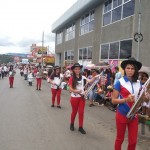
[{"x": 138, "y": 104}]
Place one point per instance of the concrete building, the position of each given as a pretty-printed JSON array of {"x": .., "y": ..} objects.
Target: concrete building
[{"x": 102, "y": 30}]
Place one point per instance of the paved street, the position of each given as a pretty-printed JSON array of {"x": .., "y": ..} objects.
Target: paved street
[{"x": 27, "y": 122}]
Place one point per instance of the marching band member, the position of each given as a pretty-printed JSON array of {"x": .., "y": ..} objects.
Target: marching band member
[
  {"x": 126, "y": 91},
  {"x": 30, "y": 78},
  {"x": 39, "y": 75},
  {"x": 11, "y": 76},
  {"x": 91, "y": 94},
  {"x": 56, "y": 79},
  {"x": 76, "y": 84}
]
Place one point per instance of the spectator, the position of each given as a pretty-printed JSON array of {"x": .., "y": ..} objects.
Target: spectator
[{"x": 118, "y": 75}]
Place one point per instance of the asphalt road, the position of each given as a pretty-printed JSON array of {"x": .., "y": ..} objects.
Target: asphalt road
[{"x": 27, "y": 121}]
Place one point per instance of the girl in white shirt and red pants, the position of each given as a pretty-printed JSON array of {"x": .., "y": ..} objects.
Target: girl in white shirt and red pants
[
  {"x": 76, "y": 84},
  {"x": 56, "y": 80}
]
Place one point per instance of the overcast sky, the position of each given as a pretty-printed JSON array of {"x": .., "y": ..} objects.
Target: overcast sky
[{"x": 24, "y": 21}]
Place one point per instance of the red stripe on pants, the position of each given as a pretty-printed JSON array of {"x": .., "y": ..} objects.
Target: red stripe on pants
[
  {"x": 11, "y": 81},
  {"x": 121, "y": 123},
  {"x": 78, "y": 105},
  {"x": 56, "y": 92},
  {"x": 38, "y": 83}
]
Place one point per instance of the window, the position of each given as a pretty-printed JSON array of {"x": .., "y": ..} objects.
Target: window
[
  {"x": 115, "y": 10},
  {"x": 116, "y": 14},
  {"x": 128, "y": 9},
  {"x": 104, "y": 51},
  {"x": 69, "y": 55},
  {"x": 59, "y": 37},
  {"x": 87, "y": 23},
  {"x": 126, "y": 0},
  {"x": 125, "y": 49},
  {"x": 70, "y": 32},
  {"x": 116, "y": 50},
  {"x": 107, "y": 6},
  {"x": 107, "y": 18},
  {"x": 90, "y": 53},
  {"x": 117, "y": 3},
  {"x": 85, "y": 53}
]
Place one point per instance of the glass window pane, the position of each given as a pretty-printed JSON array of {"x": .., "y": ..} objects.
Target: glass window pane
[
  {"x": 66, "y": 37},
  {"x": 82, "y": 20},
  {"x": 116, "y": 14},
  {"x": 126, "y": 0},
  {"x": 72, "y": 55},
  {"x": 65, "y": 55},
  {"x": 80, "y": 54},
  {"x": 89, "y": 53},
  {"x": 117, "y": 3},
  {"x": 82, "y": 30},
  {"x": 125, "y": 49},
  {"x": 114, "y": 50},
  {"x": 87, "y": 18},
  {"x": 107, "y": 6},
  {"x": 73, "y": 34},
  {"x": 92, "y": 15},
  {"x": 128, "y": 8},
  {"x": 68, "y": 55},
  {"x": 84, "y": 53},
  {"x": 70, "y": 36},
  {"x": 91, "y": 26},
  {"x": 86, "y": 28},
  {"x": 107, "y": 18},
  {"x": 73, "y": 27},
  {"x": 104, "y": 51}
]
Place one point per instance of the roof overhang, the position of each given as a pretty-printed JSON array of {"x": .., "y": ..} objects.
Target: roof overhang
[{"x": 74, "y": 12}]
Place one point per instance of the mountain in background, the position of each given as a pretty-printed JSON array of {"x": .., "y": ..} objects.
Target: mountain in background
[{"x": 17, "y": 55}]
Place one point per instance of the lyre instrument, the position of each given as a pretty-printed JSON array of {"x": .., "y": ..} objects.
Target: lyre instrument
[{"x": 138, "y": 104}]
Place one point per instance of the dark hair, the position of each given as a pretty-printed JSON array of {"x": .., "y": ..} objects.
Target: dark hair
[
  {"x": 116, "y": 68},
  {"x": 146, "y": 75},
  {"x": 75, "y": 79},
  {"x": 53, "y": 74},
  {"x": 11, "y": 68},
  {"x": 136, "y": 73}
]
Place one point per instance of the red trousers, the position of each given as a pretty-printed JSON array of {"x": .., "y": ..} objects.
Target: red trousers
[
  {"x": 121, "y": 123},
  {"x": 78, "y": 105},
  {"x": 11, "y": 81},
  {"x": 56, "y": 92},
  {"x": 38, "y": 83}
]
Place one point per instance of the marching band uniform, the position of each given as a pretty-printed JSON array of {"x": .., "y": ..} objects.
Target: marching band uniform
[
  {"x": 127, "y": 89},
  {"x": 30, "y": 78},
  {"x": 11, "y": 76},
  {"x": 56, "y": 80},
  {"x": 39, "y": 75},
  {"x": 77, "y": 101}
]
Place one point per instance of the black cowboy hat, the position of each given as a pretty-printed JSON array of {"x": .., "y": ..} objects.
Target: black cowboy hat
[
  {"x": 57, "y": 67},
  {"x": 131, "y": 60},
  {"x": 76, "y": 65}
]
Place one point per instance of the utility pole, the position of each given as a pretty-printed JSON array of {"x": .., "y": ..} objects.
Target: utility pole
[
  {"x": 42, "y": 47},
  {"x": 139, "y": 31}
]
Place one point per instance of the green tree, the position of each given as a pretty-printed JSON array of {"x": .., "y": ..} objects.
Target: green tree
[{"x": 6, "y": 58}]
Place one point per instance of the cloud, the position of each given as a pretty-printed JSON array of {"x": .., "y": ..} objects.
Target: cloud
[
  {"x": 23, "y": 23},
  {"x": 6, "y": 41},
  {"x": 50, "y": 37},
  {"x": 26, "y": 42}
]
